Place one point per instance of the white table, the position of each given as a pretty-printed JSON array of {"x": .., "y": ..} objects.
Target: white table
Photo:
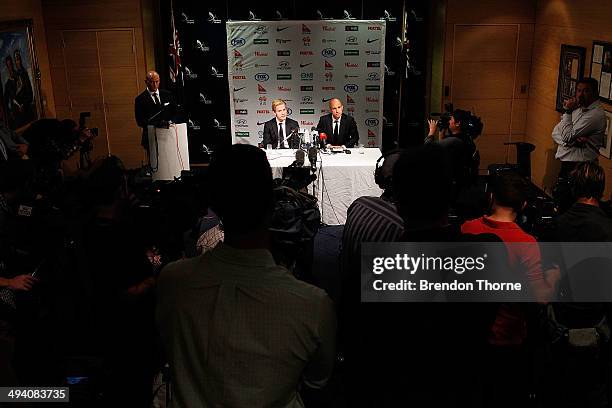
[{"x": 341, "y": 178}]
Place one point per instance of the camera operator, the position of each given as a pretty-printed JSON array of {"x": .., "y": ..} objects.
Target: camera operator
[{"x": 455, "y": 138}]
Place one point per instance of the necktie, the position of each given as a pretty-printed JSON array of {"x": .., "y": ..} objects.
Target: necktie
[
  {"x": 281, "y": 135},
  {"x": 156, "y": 98},
  {"x": 335, "y": 131}
]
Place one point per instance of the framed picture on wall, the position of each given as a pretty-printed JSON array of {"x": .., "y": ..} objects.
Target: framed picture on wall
[
  {"x": 601, "y": 68},
  {"x": 606, "y": 150},
  {"x": 571, "y": 69},
  {"x": 19, "y": 74}
]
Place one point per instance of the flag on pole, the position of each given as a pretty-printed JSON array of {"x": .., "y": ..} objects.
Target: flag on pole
[{"x": 175, "y": 51}]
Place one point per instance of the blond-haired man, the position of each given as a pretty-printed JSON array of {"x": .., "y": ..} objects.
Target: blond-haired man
[{"x": 277, "y": 131}]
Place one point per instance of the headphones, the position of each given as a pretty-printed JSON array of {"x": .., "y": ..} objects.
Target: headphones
[{"x": 379, "y": 178}]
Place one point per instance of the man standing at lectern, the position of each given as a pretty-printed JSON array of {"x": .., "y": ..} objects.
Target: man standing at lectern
[
  {"x": 149, "y": 103},
  {"x": 340, "y": 128},
  {"x": 277, "y": 131}
]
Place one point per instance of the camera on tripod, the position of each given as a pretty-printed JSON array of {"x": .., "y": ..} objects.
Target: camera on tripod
[{"x": 471, "y": 124}]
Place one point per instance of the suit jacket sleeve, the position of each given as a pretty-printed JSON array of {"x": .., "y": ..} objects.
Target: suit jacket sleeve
[
  {"x": 140, "y": 112},
  {"x": 321, "y": 124},
  {"x": 353, "y": 133},
  {"x": 267, "y": 137}
]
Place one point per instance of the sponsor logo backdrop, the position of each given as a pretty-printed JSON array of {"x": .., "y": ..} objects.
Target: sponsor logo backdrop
[{"x": 306, "y": 63}]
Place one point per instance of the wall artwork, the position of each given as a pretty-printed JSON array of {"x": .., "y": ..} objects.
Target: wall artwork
[
  {"x": 601, "y": 69},
  {"x": 19, "y": 75},
  {"x": 571, "y": 69}
]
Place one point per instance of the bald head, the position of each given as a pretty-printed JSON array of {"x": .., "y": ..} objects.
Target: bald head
[
  {"x": 152, "y": 81},
  {"x": 335, "y": 107}
]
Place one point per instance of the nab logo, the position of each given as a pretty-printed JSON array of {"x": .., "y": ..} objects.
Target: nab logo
[
  {"x": 371, "y": 122},
  {"x": 262, "y": 77},
  {"x": 351, "y": 88},
  {"x": 238, "y": 42},
  {"x": 241, "y": 112},
  {"x": 328, "y": 53},
  {"x": 373, "y": 64},
  {"x": 239, "y": 89}
]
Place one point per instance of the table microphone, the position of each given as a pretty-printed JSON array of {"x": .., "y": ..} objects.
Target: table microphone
[
  {"x": 323, "y": 138},
  {"x": 300, "y": 155},
  {"x": 312, "y": 157}
]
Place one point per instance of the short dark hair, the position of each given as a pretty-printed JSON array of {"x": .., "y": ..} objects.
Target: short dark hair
[
  {"x": 241, "y": 188},
  {"x": 592, "y": 82},
  {"x": 509, "y": 190},
  {"x": 588, "y": 180},
  {"x": 461, "y": 116},
  {"x": 422, "y": 183},
  {"x": 106, "y": 177}
]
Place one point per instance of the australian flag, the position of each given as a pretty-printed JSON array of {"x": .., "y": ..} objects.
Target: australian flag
[{"x": 174, "y": 54}]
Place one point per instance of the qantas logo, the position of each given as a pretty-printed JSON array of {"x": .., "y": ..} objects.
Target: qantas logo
[
  {"x": 279, "y": 29},
  {"x": 305, "y": 29},
  {"x": 305, "y": 65},
  {"x": 328, "y": 65},
  {"x": 261, "y": 89},
  {"x": 239, "y": 89}
]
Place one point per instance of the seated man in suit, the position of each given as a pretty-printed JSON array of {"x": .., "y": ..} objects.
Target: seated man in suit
[
  {"x": 148, "y": 103},
  {"x": 340, "y": 128},
  {"x": 277, "y": 129}
]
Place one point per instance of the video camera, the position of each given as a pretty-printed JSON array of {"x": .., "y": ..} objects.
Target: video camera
[{"x": 471, "y": 125}]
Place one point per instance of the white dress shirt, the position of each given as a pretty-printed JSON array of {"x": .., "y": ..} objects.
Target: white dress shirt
[
  {"x": 590, "y": 123},
  {"x": 152, "y": 94},
  {"x": 284, "y": 141}
]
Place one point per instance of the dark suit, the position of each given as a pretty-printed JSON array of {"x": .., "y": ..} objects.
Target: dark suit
[
  {"x": 270, "y": 133},
  {"x": 145, "y": 108},
  {"x": 348, "y": 135}
]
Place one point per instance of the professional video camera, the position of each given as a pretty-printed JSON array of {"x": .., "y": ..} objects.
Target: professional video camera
[
  {"x": 472, "y": 125},
  {"x": 86, "y": 136}
]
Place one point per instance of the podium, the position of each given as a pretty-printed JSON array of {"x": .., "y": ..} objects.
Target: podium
[{"x": 168, "y": 151}]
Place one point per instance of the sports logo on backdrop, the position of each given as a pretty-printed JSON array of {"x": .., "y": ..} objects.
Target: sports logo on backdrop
[
  {"x": 306, "y": 100},
  {"x": 242, "y": 123},
  {"x": 351, "y": 88},
  {"x": 307, "y": 111},
  {"x": 307, "y": 53},
  {"x": 260, "y": 41},
  {"x": 306, "y": 41},
  {"x": 305, "y": 29},
  {"x": 279, "y": 29},
  {"x": 351, "y": 53},
  {"x": 261, "y": 30},
  {"x": 329, "y": 76},
  {"x": 372, "y": 87},
  {"x": 284, "y": 53},
  {"x": 373, "y": 64},
  {"x": 259, "y": 124},
  {"x": 282, "y": 41},
  {"x": 261, "y": 89},
  {"x": 205, "y": 99},
  {"x": 283, "y": 77},
  {"x": 329, "y": 28},
  {"x": 308, "y": 88},
  {"x": 242, "y": 134},
  {"x": 261, "y": 77},
  {"x": 351, "y": 28},
  {"x": 239, "y": 89},
  {"x": 307, "y": 76},
  {"x": 238, "y": 66},
  {"x": 374, "y": 28},
  {"x": 306, "y": 123},
  {"x": 370, "y": 40},
  {"x": 328, "y": 88},
  {"x": 240, "y": 100},
  {"x": 372, "y": 52},
  {"x": 241, "y": 112},
  {"x": 263, "y": 100},
  {"x": 261, "y": 54},
  {"x": 326, "y": 100},
  {"x": 373, "y": 76},
  {"x": 371, "y": 122},
  {"x": 351, "y": 109},
  {"x": 261, "y": 65},
  {"x": 289, "y": 111},
  {"x": 372, "y": 111},
  {"x": 349, "y": 100},
  {"x": 305, "y": 65},
  {"x": 238, "y": 77},
  {"x": 238, "y": 42},
  {"x": 347, "y": 76},
  {"x": 371, "y": 134},
  {"x": 351, "y": 65},
  {"x": 284, "y": 89},
  {"x": 351, "y": 40},
  {"x": 328, "y": 41},
  {"x": 263, "y": 112},
  {"x": 237, "y": 54},
  {"x": 283, "y": 65},
  {"x": 329, "y": 53},
  {"x": 328, "y": 65},
  {"x": 372, "y": 99}
]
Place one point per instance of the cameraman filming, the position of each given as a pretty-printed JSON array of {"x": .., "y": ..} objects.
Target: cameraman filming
[{"x": 455, "y": 138}]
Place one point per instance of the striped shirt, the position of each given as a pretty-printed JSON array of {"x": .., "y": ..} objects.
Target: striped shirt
[{"x": 590, "y": 123}]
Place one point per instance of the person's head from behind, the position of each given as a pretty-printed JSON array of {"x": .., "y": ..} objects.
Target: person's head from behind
[
  {"x": 8, "y": 61},
  {"x": 587, "y": 91},
  {"x": 280, "y": 109},
  {"x": 241, "y": 190},
  {"x": 107, "y": 183},
  {"x": 588, "y": 181},
  {"x": 18, "y": 60},
  {"x": 152, "y": 81},
  {"x": 384, "y": 173},
  {"x": 509, "y": 190},
  {"x": 458, "y": 121},
  {"x": 421, "y": 186}
]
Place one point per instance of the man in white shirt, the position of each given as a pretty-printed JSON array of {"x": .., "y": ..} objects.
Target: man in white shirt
[
  {"x": 581, "y": 130},
  {"x": 280, "y": 131},
  {"x": 239, "y": 330}
]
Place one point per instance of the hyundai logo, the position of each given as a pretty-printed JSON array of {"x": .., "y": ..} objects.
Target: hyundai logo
[
  {"x": 371, "y": 122},
  {"x": 262, "y": 77},
  {"x": 351, "y": 88},
  {"x": 238, "y": 42},
  {"x": 241, "y": 121},
  {"x": 328, "y": 53}
]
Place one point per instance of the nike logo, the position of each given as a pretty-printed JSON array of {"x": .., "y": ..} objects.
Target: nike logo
[
  {"x": 239, "y": 89},
  {"x": 305, "y": 65},
  {"x": 326, "y": 100},
  {"x": 281, "y": 28},
  {"x": 371, "y": 41},
  {"x": 260, "y": 123}
]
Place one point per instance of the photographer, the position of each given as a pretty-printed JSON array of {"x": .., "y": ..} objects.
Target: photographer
[{"x": 455, "y": 138}]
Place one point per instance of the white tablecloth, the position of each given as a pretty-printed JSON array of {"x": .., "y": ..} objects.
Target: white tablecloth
[{"x": 341, "y": 178}]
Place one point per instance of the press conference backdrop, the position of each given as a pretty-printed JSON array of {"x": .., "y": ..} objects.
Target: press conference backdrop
[{"x": 306, "y": 63}]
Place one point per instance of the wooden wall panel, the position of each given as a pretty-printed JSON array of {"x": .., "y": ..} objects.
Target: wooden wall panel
[
  {"x": 490, "y": 11},
  {"x": 560, "y": 22},
  {"x": 485, "y": 43},
  {"x": 525, "y": 47},
  {"x": 483, "y": 79}
]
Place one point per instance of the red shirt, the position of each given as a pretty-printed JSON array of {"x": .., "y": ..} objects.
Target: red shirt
[{"x": 510, "y": 326}]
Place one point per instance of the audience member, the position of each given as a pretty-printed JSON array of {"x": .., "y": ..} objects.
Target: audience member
[{"x": 238, "y": 329}]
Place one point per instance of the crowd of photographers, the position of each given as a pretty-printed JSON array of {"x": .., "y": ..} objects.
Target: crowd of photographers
[{"x": 80, "y": 262}]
